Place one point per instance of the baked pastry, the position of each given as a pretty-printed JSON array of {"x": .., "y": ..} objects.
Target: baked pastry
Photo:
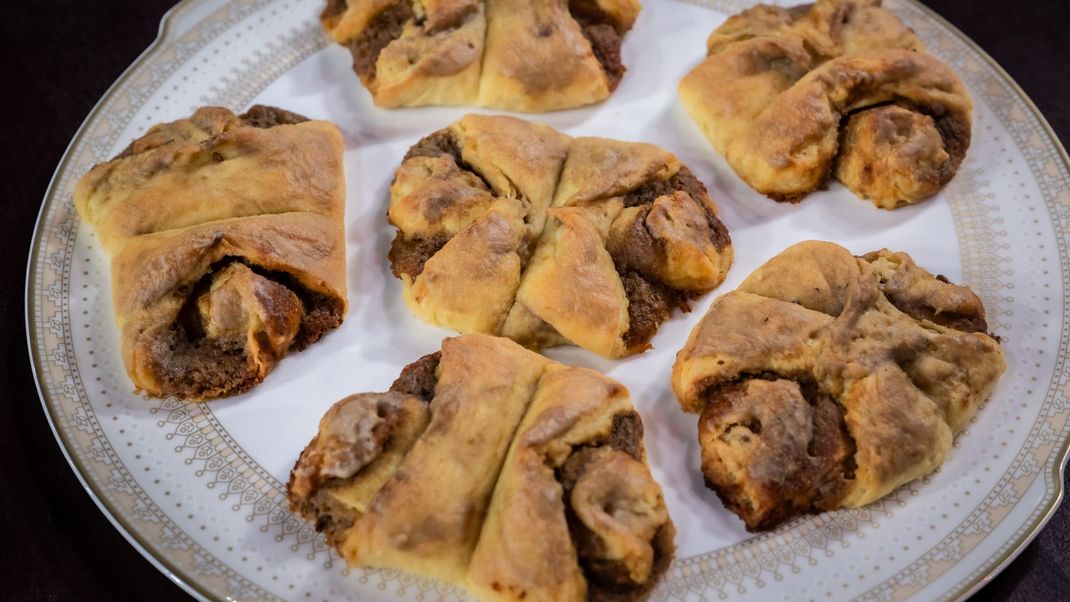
[
  {"x": 791, "y": 96},
  {"x": 227, "y": 246},
  {"x": 489, "y": 465},
  {"x": 510, "y": 228},
  {"x": 826, "y": 380},
  {"x": 517, "y": 55}
]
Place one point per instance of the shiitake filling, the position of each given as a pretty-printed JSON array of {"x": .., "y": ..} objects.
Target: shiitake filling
[
  {"x": 610, "y": 580},
  {"x": 332, "y": 517},
  {"x": 383, "y": 29},
  {"x": 605, "y": 41},
  {"x": 826, "y": 477},
  {"x": 407, "y": 254},
  {"x": 389, "y": 24},
  {"x": 606, "y": 580},
  {"x": 189, "y": 363},
  {"x": 651, "y": 302}
]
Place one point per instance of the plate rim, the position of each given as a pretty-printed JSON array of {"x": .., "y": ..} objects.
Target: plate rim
[
  {"x": 192, "y": 586},
  {"x": 173, "y": 573}
]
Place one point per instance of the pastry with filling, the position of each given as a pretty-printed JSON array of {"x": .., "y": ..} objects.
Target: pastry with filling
[
  {"x": 490, "y": 466},
  {"x": 517, "y": 55},
  {"x": 838, "y": 88},
  {"x": 227, "y": 246},
  {"x": 511, "y": 228},
  {"x": 826, "y": 381}
]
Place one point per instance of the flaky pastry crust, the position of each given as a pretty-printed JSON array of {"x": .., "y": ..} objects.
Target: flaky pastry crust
[
  {"x": 489, "y": 465},
  {"x": 227, "y": 245},
  {"x": 826, "y": 381},
  {"x": 518, "y": 55},
  {"x": 841, "y": 88},
  {"x": 510, "y": 228}
]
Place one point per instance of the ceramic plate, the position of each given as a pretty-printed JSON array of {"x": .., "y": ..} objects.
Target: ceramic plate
[{"x": 199, "y": 488}]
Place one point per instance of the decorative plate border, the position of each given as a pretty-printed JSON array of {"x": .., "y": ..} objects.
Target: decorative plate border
[{"x": 222, "y": 462}]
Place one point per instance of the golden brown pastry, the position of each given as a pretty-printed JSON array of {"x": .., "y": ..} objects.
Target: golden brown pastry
[
  {"x": 518, "y": 55},
  {"x": 227, "y": 245},
  {"x": 510, "y": 228},
  {"x": 489, "y": 465},
  {"x": 826, "y": 380},
  {"x": 791, "y": 96}
]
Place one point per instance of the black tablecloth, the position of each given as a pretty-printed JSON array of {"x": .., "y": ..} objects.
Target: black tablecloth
[{"x": 63, "y": 55}]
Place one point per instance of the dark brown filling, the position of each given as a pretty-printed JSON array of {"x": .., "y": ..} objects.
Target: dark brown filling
[
  {"x": 408, "y": 255},
  {"x": 682, "y": 181},
  {"x": 190, "y": 364},
  {"x": 954, "y": 132},
  {"x": 443, "y": 143},
  {"x": 332, "y": 518},
  {"x": 602, "y": 35},
  {"x": 436, "y": 144},
  {"x": 819, "y": 472},
  {"x": 610, "y": 580},
  {"x": 199, "y": 367},
  {"x": 627, "y": 435},
  {"x": 950, "y": 319},
  {"x": 263, "y": 116},
  {"x": 970, "y": 320},
  {"x": 384, "y": 28},
  {"x": 954, "y": 135},
  {"x": 419, "y": 378},
  {"x": 649, "y": 304}
]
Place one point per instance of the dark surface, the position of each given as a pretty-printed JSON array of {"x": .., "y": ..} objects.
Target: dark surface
[{"x": 63, "y": 55}]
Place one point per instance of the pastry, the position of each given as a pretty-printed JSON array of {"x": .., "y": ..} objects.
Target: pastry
[
  {"x": 826, "y": 380},
  {"x": 227, "y": 246},
  {"x": 517, "y": 55},
  {"x": 510, "y": 228},
  {"x": 842, "y": 88},
  {"x": 489, "y": 465}
]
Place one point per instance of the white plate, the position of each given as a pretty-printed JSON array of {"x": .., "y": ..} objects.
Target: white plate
[{"x": 198, "y": 488}]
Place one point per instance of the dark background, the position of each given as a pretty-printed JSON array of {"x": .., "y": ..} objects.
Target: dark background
[{"x": 60, "y": 57}]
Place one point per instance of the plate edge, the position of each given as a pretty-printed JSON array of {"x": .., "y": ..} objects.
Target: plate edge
[
  {"x": 1061, "y": 456},
  {"x": 164, "y": 32}
]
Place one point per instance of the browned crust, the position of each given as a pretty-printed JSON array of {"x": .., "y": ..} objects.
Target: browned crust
[{"x": 332, "y": 12}]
